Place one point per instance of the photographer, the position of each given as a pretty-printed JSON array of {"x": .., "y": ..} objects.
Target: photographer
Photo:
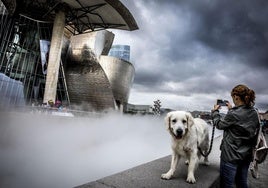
[{"x": 240, "y": 127}]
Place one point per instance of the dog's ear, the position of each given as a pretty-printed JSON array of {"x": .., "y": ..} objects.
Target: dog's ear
[
  {"x": 190, "y": 119},
  {"x": 167, "y": 120}
]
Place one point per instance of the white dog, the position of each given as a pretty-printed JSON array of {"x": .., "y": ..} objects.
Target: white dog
[{"x": 188, "y": 134}]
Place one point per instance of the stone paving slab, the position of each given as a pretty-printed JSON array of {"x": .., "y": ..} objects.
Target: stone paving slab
[
  {"x": 262, "y": 182},
  {"x": 148, "y": 175}
]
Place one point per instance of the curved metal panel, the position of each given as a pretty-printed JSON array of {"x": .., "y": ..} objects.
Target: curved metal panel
[
  {"x": 98, "y": 42},
  {"x": 120, "y": 74},
  {"x": 89, "y": 88},
  {"x": 87, "y": 83}
]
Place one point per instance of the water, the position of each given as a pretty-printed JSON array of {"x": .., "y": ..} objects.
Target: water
[{"x": 50, "y": 151}]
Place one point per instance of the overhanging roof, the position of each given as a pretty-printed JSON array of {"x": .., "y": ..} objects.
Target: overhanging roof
[
  {"x": 81, "y": 15},
  {"x": 96, "y": 14}
]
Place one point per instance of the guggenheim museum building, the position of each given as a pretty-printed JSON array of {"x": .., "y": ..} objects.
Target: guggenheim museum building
[{"x": 61, "y": 50}]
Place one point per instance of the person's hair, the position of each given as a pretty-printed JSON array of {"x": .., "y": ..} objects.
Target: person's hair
[{"x": 246, "y": 94}]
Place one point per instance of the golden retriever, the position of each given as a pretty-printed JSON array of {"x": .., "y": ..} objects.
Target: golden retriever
[{"x": 188, "y": 135}]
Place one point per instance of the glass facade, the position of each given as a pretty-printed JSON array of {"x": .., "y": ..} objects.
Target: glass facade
[
  {"x": 22, "y": 62},
  {"x": 121, "y": 52}
]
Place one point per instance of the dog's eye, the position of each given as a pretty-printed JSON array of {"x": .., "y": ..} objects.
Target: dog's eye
[
  {"x": 174, "y": 121},
  {"x": 184, "y": 121}
]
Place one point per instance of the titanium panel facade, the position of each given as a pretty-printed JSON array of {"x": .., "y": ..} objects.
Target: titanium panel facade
[
  {"x": 121, "y": 75},
  {"x": 95, "y": 81},
  {"x": 88, "y": 86}
]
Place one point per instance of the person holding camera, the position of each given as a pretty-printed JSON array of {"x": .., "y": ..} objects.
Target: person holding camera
[{"x": 240, "y": 126}]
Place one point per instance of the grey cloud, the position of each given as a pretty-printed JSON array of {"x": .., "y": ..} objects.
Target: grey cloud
[
  {"x": 148, "y": 78},
  {"x": 203, "y": 46},
  {"x": 236, "y": 27},
  {"x": 230, "y": 27}
]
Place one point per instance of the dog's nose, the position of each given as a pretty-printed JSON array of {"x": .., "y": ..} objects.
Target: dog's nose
[{"x": 179, "y": 132}]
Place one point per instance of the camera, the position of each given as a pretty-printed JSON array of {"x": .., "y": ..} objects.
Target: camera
[{"x": 222, "y": 102}]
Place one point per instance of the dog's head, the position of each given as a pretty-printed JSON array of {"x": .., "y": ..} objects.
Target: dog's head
[{"x": 178, "y": 123}]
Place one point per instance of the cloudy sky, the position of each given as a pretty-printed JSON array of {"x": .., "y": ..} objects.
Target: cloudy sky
[{"x": 188, "y": 53}]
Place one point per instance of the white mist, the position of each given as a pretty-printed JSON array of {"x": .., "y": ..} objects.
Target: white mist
[{"x": 61, "y": 152}]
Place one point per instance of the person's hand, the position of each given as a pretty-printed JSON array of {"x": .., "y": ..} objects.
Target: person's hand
[
  {"x": 229, "y": 105},
  {"x": 216, "y": 107}
]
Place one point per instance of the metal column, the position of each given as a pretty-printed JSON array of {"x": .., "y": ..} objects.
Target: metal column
[{"x": 54, "y": 57}]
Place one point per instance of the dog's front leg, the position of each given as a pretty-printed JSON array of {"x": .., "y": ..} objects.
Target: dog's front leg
[
  {"x": 173, "y": 166},
  {"x": 191, "y": 168}
]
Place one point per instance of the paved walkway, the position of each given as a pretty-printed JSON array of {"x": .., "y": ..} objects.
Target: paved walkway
[
  {"x": 262, "y": 182},
  {"x": 148, "y": 175}
]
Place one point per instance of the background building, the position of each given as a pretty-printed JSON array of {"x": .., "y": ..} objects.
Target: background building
[
  {"x": 120, "y": 51},
  {"x": 40, "y": 52},
  {"x": 106, "y": 80}
]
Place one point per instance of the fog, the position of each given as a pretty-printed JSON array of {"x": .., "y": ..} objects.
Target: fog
[
  {"x": 61, "y": 152},
  {"x": 52, "y": 151}
]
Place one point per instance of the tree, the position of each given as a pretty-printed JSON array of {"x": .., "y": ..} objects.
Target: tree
[{"x": 156, "y": 107}]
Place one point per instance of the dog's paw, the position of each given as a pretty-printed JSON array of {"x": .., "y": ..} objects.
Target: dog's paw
[
  {"x": 166, "y": 176},
  {"x": 190, "y": 179}
]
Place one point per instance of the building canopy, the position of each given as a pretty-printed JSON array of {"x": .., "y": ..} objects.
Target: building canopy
[{"x": 81, "y": 15}]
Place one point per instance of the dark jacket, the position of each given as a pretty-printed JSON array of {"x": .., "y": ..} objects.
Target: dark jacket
[{"x": 240, "y": 127}]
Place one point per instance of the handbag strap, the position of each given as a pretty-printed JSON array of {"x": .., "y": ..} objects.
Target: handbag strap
[{"x": 260, "y": 129}]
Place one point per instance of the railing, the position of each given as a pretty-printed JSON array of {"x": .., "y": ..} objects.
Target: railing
[{"x": 47, "y": 110}]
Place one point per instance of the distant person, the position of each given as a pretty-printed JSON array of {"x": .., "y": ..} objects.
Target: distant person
[
  {"x": 240, "y": 126},
  {"x": 58, "y": 105},
  {"x": 51, "y": 103}
]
